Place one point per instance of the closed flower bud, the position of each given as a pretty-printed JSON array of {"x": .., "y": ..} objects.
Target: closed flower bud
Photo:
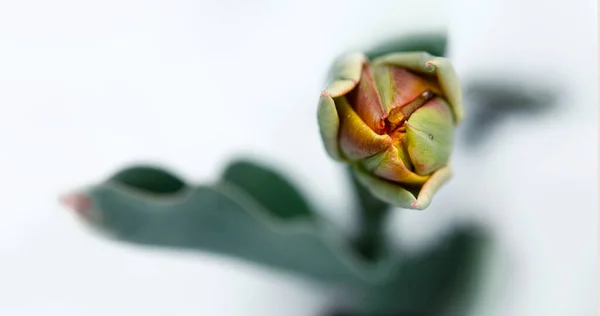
[{"x": 392, "y": 119}]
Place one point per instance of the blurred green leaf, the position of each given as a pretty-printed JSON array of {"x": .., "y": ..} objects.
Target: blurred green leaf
[
  {"x": 439, "y": 281},
  {"x": 492, "y": 102},
  {"x": 134, "y": 206},
  {"x": 150, "y": 179},
  {"x": 432, "y": 43},
  {"x": 268, "y": 188}
]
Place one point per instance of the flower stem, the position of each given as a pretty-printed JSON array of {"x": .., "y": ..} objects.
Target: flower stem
[{"x": 370, "y": 240}]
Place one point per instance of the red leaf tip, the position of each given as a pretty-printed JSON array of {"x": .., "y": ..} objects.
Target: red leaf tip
[{"x": 76, "y": 201}]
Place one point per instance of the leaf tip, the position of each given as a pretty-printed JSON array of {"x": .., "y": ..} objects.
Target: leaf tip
[{"x": 76, "y": 201}]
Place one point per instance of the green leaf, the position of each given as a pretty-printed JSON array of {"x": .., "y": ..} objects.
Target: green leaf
[
  {"x": 493, "y": 102},
  {"x": 150, "y": 179},
  {"x": 135, "y": 207},
  {"x": 329, "y": 126},
  {"x": 269, "y": 188},
  {"x": 432, "y": 43},
  {"x": 439, "y": 281}
]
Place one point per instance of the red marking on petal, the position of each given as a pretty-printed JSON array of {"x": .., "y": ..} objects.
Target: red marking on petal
[
  {"x": 408, "y": 87},
  {"x": 367, "y": 103}
]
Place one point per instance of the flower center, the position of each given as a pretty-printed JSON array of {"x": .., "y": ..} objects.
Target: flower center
[{"x": 395, "y": 122}]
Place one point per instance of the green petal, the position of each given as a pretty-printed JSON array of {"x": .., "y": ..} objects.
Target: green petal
[
  {"x": 386, "y": 191},
  {"x": 398, "y": 87},
  {"x": 430, "y": 131},
  {"x": 329, "y": 126},
  {"x": 345, "y": 74},
  {"x": 397, "y": 195},
  {"x": 415, "y": 61},
  {"x": 439, "y": 66},
  {"x": 450, "y": 86},
  {"x": 389, "y": 165},
  {"x": 431, "y": 186}
]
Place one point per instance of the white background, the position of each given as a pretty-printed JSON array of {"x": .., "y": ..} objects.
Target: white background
[{"x": 86, "y": 87}]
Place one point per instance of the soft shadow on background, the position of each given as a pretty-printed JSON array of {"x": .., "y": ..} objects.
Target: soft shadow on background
[{"x": 86, "y": 88}]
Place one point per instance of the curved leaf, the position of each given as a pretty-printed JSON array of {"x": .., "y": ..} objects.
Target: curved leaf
[
  {"x": 438, "y": 281},
  {"x": 226, "y": 219},
  {"x": 269, "y": 188},
  {"x": 492, "y": 102},
  {"x": 149, "y": 178}
]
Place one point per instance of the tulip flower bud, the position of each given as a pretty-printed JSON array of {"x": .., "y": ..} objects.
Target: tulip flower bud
[{"x": 392, "y": 119}]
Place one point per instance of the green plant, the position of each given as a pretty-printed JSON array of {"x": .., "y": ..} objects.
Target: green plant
[{"x": 254, "y": 213}]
